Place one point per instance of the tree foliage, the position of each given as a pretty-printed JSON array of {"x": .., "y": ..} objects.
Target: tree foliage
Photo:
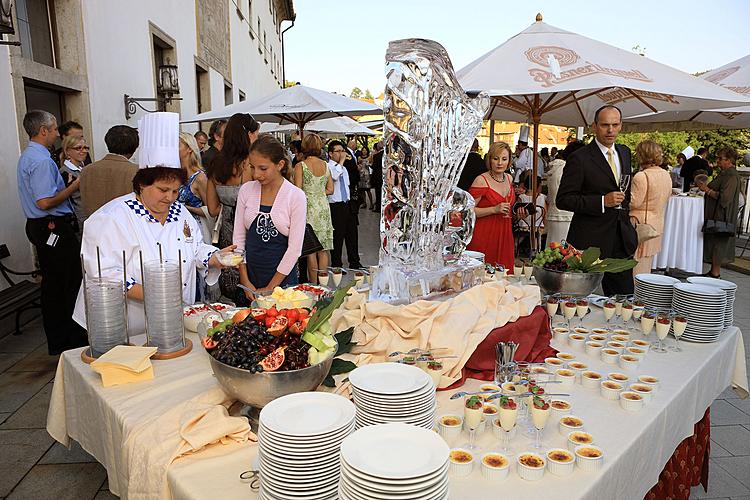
[
  {"x": 368, "y": 94},
  {"x": 356, "y": 93}
]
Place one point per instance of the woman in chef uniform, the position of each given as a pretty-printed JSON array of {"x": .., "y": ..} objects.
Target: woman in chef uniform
[{"x": 143, "y": 221}]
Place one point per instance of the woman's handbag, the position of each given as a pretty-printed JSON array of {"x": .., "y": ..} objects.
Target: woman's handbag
[
  {"x": 311, "y": 243},
  {"x": 645, "y": 230},
  {"x": 719, "y": 227}
]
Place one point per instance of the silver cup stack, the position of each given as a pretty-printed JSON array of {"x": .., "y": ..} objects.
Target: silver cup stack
[{"x": 162, "y": 290}]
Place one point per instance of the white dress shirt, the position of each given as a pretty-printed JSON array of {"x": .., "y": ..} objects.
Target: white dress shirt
[
  {"x": 340, "y": 183},
  {"x": 604, "y": 150}
]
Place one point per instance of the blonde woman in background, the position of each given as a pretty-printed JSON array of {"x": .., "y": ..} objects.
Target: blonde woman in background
[
  {"x": 193, "y": 192},
  {"x": 72, "y": 155},
  {"x": 649, "y": 195}
]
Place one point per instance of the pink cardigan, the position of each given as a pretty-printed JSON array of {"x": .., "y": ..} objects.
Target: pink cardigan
[{"x": 288, "y": 214}]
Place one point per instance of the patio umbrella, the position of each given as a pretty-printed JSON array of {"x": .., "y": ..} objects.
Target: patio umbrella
[
  {"x": 548, "y": 74},
  {"x": 297, "y": 105},
  {"x": 734, "y": 76},
  {"x": 337, "y": 125}
]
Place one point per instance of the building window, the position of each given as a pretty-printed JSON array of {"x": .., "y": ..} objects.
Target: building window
[
  {"x": 202, "y": 90},
  {"x": 270, "y": 6},
  {"x": 164, "y": 53},
  {"x": 228, "y": 99},
  {"x": 250, "y": 18},
  {"x": 260, "y": 42},
  {"x": 242, "y": 96},
  {"x": 35, "y": 30},
  {"x": 46, "y": 99},
  {"x": 265, "y": 53}
]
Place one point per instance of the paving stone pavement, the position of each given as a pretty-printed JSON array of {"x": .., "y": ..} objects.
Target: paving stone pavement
[{"x": 33, "y": 466}]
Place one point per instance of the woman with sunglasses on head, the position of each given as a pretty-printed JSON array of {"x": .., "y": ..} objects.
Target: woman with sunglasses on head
[{"x": 73, "y": 155}]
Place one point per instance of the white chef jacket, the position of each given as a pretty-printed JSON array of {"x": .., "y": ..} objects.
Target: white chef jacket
[
  {"x": 525, "y": 161},
  {"x": 125, "y": 224}
]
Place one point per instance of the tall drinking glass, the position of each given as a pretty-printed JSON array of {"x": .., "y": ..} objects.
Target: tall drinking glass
[
  {"x": 507, "y": 417},
  {"x": 679, "y": 324},
  {"x": 624, "y": 184},
  {"x": 473, "y": 412},
  {"x": 540, "y": 411}
]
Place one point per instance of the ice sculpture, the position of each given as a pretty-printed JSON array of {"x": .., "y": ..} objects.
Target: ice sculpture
[{"x": 429, "y": 125}]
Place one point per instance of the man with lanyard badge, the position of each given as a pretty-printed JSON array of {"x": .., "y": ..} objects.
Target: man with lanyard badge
[{"x": 51, "y": 227}]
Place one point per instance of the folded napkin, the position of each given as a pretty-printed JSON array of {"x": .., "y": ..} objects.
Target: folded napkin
[{"x": 125, "y": 364}]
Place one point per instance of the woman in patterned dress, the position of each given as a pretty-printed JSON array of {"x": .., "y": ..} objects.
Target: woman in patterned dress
[
  {"x": 270, "y": 221},
  {"x": 312, "y": 177}
]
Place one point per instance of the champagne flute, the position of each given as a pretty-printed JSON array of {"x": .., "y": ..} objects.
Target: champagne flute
[
  {"x": 679, "y": 324},
  {"x": 663, "y": 325},
  {"x": 582, "y": 309},
  {"x": 648, "y": 318},
  {"x": 552, "y": 302},
  {"x": 506, "y": 420},
  {"x": 624, "y": 184},
  {"x": 517, "y": 269},
  {"x": 609, "y": 311},
  {"x": 473, "y": 412},
  {"x": 619, "y": 302},
  {"x": 569, "y": 310},
  {"x": 627, "y": 312},
  {"x": 638, "y": 308},
  {"x": 540, "y": 410}
]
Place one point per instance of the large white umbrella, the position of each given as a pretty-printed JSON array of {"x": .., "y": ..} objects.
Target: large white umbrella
[
  {"x": 734, "y": 76},
  {"x": 298, "y": 105},
  {"x": 337, "y": 125},
  {"x": 547, "y": 74}
]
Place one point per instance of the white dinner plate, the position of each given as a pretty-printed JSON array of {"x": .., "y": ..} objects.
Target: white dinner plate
[
  {"x": 705, "y": 280},
  {"x": 307, "y": 413},
  {"x": 395, "y": 485},
  {"x": 295, "y": 483},
  {"x": 387, "y": 412},
  {"x": 284, "y": 494},
  {"x": 426, "y": 421},
  {"x": 282, "y": 440},
  {"x": 402, "y": 405},
  {"x": 389, "y": 378},
  {"x": 393, "y": 451},
  {"x": 300, "y": 464},
  {"x": 365, "y": 493},
  {"x": 656, "y": 279},
  {"x": 310, "y": 473}
]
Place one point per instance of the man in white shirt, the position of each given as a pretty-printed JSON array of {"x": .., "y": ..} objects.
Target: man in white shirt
[
  {"x": 590, "y": 188},
  {"x": 342, "y": 218}
]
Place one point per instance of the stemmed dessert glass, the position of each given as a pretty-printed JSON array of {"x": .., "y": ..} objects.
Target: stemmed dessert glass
[
  {"x": 619, "y": 303},
  {"x": 518, "y": 270},
  {"x": 638, "y": 308},
  {"x": 648, "y": 318},
  {"x": 582, "y": 309},
  {"x": 679, "y": 324},
  {"x": 663, "y": 325},
  {"x": 473, "y": 413},
  {"x": 609, "y": 310},
  {"x": 568, "y": 309},
  {"x": 627, "y": 312},
  {"x": 540, "y": 410},
  {"x": 323, "y": 278},
  {"x": 507, "y": 416},
  {"x": 528, "y": 268},
  {"x": 551, "y": 301}
]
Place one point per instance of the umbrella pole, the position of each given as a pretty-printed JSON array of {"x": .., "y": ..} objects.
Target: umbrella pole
[{"x": 536, "y": 117}]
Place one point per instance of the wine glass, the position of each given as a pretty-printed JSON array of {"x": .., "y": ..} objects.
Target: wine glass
[
  {"x": 552, "y": 303},
  {"x": 507, "y": 417},
  {"x": 648, "y": 318},
  {"x": 582, "y": 309},
  {"x": 679, "y": 324},
  {"x": 517, "y": 270},
  {"x": 569, "y": 309},
  {"x": 627, "y": 312},
  {"x": 540, "y": 410},
  {"x": 473, "y": 412},
  {"x": 638, "y": 308},
  {"x": 624, "y": 184},
  {"x": 663, "y": 325},
  {"x": 619, "y": 302},
  {"x": 609, "y": 310}
]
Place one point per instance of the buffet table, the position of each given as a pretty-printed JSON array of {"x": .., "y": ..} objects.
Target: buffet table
[
  {"x": 636, "y": 445},
  {"x": 682, "y": 240}
]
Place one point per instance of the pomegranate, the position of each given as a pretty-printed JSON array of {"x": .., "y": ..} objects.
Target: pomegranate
[
  {"x": 299, "y": 326},
  {"x": 208, "y": 343},
  {"x": 258, "y": 314},
  {"x": 279, "y": 326},
  {"x": 273, "y": 361}
]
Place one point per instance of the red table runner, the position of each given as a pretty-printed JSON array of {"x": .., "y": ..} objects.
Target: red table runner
[{"x": 689, "y": 464}]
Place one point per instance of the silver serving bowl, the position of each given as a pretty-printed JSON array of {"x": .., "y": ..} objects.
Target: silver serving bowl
[
  {"x": 259, "y": 389},
  {"x": 574, "y": 284}
]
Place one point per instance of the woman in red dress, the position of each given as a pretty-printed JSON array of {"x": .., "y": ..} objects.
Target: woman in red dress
[{"x": 494, "y": 197}]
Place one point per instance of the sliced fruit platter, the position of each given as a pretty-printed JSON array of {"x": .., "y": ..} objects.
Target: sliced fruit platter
[
  {"x": 271, "y": 339},
  {"x": 564, "y": 257},
  {"x": 192, "y": 315},
  {"x": 287, "y": 298}
]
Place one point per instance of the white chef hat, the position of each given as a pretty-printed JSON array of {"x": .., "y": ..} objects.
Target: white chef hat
[
  {"x": 523, "y": 134},
  {"x": 159, "y": 140}
]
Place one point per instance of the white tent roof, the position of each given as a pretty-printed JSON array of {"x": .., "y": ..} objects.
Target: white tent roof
[
  {"x": 734, "y": 76},
  {"x": 563, "y": 78},
  {"x": 337, "y": 125},
  {"x": 297, "y": 105}
]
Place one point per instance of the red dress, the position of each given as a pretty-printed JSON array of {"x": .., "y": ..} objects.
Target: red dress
[{"x": 493, "y": 234}]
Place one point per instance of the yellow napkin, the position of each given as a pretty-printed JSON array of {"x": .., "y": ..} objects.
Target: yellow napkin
[{"x": 125, "y": 364}]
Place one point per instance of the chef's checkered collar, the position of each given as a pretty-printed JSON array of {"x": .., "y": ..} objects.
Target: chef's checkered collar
[{"x": 139, "y": 209}]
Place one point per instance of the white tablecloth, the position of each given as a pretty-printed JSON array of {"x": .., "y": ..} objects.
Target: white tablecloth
[
  {"x": 637, "y": 445},
  {"x": 682, "y": 241}
]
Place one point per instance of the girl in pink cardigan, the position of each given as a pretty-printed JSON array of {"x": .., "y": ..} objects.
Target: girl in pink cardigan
[{"x": 269, "y": 220}]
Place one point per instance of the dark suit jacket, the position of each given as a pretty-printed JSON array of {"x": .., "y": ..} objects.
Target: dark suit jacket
[
  {"x": 586, "y": 178},
  {"x": 376, "y": 177},
  {"x": 473, "y": 167},
  {"x": 690, "y": 167}
]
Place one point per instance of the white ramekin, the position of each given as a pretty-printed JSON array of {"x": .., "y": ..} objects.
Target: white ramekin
[
  {"x": 593, "y": 348},
  {"x": 490, "y": 417},
  {"x": 450, "y": 432},
  {"x": 597, "y": 337},
  {"x": 561, "y": 468},
  {"x": 591, "y": 383},
  {"x": 554, "y": 364},
  {"x": 557, "y": 413},
  {"x": 600, "y": 331},
  {"x": 643, "y": 344},
  {"x": 572, "y": 445},
  {"x": 629, "y": 362},
  {"x": 609, "y": 356},
  {"x": 621, "y": 337},
  {"x": 495, "y": 473},
  {"x": 582, "y": 331},
  {"x": 567, "y": 378},
  {"x": 644, "y": 390},
  {"x": 638, "y": 352},
  {"x": 577, "y": 341},
  {"x": 631, "y": 404},
  {"x": 461, "y": 469},
  {"x": 565, "y": 429},
  {"x": 578, "y": 368},
  {"x": 613, "y": 394},
  {"x": 528, "y": 473},
  {"x": 587, "y": 463},
  {"x": 561, "y": 335},
  {"x": 567, "y": 357},
  {"x": 618, "y": 377},
  {"x": 644, "y": 379},
  {"x": 617, "y": 346}
]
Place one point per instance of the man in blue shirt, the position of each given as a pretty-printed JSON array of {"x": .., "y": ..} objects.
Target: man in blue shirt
[{"x": 51, "y": 227}]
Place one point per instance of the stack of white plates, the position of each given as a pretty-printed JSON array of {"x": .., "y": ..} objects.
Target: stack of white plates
[
  {"x": 704, "y": 308},
  {"x": 393, "y": 392},
  {"x": 655, "y": 290},
  {"x": 729, "y": 288},
  {"x": 299, "y": 440},
  {"x": 393, "y": 462}
]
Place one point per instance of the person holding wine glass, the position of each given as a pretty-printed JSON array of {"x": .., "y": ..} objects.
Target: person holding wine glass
[{"x": 590, "y": 188}]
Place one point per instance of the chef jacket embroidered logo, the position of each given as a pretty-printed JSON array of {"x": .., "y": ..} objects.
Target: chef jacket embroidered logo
[
  {"x": 187, "y": 232},
  {"x": 265, "y": 228}
]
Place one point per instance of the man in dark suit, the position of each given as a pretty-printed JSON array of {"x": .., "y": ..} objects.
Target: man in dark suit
[
  {"x": 590, "y": 188},
  {"x": 692, "y": 165},
  {"x": 376, "y": 177},
  {"x": 473, "y": 167}
]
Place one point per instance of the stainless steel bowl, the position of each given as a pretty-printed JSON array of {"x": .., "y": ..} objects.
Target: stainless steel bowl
[
  {"x": 259, "y": 389},
  {"x": 574, "y": 284}
]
